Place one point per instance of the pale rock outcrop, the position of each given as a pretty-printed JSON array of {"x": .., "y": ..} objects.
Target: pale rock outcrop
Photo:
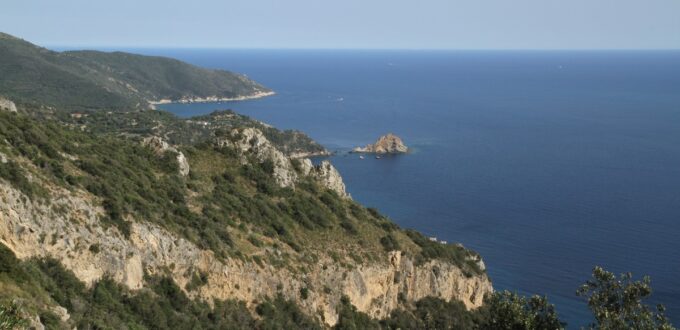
[
  {"x": 160, "y": 146},
  {"x": 7, "y": 105},
  {"x": 326, "y": 174},
  {"x": 67, "y": 224},
  {"x": 386, "y": 144},
  {"x": 252, "y": 141},
  {"x": 61, "y": 313},
  {"x": 306, "y": 166},
  {"x": 329, "y": 177},
  {"x": 183, "y": 164}
]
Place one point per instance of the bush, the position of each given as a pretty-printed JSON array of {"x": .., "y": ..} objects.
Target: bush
[
  {"x": 617, "y": 303},
  {"x": 389, "y": 243},
  {"x": 507, "y": 310},
  {"x": 10, "y": 317}
]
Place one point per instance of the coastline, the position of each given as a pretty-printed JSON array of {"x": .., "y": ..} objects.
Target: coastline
[
  {"x": 209, "y": 99},
  {"x": 300, "y": 155}
]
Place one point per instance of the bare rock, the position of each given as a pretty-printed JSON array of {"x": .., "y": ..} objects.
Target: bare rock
[
  {"x": 183, "y": 164},
  {"x": 157, "y": 144},
  {"x": 160, "y": 146},
  {"x": 251, "y": 141},
  {"x": 330, "y": 178},
  {"x": 386, "y": 144},
  {"x": 7, "y": 105},
  {"x": 374, "y": 288}
]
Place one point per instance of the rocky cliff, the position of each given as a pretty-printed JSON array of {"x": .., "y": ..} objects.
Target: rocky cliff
[
  {"x": 252, "y": 142},
  {"x": 389, "y": 143},
  {"x": 68, "y": 224},
  {"x": 247, "y": 244}
]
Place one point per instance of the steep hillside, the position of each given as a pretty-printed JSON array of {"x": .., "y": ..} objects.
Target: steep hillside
[
  {"x": 78, "y": 80},
  {"x": 245, "y": 227}
]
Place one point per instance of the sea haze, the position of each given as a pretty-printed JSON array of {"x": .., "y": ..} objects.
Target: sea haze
[{"x": 547, "y": 163}]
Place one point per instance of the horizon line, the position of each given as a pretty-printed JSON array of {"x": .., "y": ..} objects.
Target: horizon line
[{"x": 122, "y": 47}]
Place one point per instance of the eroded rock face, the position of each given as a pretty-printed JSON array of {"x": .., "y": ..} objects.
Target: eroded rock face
[
  {"x": 67, "y": 224},
  {"x": 326, "y": 174},
  {"x": 7, "y": 105},
  {"x": 386, "y": 144},
  {"x": 329, "y": 177},
  {"x": 252, "y": 141},
  {"x": 160, "y": 146}
]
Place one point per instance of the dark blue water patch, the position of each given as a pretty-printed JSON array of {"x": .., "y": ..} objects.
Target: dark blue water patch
[{"x": 547, "y": 163}]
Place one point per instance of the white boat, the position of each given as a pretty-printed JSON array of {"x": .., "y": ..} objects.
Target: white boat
[{"x": 361, "y": 157}]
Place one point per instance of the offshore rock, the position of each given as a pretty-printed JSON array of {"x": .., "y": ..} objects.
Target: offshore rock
[{"x": 386, "y": 144}]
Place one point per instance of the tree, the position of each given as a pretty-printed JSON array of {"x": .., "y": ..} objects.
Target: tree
[
  {"x": 508, "y": 310},
  {"x": 349, "y": 318},
  {"x": 616, "y": 303}
]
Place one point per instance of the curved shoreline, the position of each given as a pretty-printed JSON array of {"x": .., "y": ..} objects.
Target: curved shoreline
[{"x": 209, "y": 99}]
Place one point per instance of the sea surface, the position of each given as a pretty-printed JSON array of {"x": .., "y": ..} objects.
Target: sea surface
[{"x": 547, "y": 163}]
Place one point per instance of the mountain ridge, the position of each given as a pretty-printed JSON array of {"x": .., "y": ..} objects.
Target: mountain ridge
[{"x": 110, "y": 80}]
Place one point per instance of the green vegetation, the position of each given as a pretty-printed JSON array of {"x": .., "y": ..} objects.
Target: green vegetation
[
  {"x": 227, "y": 205},
  {"x": 616, "y": 303},
  {"x": 38, "y": 284},
  {"x": 453, "y": 253},
  {"x": 181, "y": 131},
  {"x": 507, "y": 310},
  {"x": 78, "y": 80},
  {"x": 10, "y": 318},
  {"x": 223, "y": 205}
]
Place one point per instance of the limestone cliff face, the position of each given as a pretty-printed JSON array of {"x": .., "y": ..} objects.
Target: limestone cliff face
[
  {"x": 326, "y": 174},
  {"x": 160, "y": 146},
  {"x": 252, "y": 141},
  {"x": 389, "y": 143},
  {"x": 66, "y": 225}
]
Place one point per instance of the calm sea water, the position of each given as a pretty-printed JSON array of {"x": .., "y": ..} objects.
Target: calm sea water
[{"x": 547, "y": 163}]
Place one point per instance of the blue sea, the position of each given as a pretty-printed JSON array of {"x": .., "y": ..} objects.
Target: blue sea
[{"x": 547, "y": 163}]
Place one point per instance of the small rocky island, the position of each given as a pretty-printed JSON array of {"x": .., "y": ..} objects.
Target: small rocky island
[{"x": 386, "y": 144}]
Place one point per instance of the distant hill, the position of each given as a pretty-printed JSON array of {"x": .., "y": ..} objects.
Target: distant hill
[{"x": 101, "y": 80}]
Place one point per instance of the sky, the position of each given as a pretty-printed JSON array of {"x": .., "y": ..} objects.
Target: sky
[{"x": 362, "y": 24}]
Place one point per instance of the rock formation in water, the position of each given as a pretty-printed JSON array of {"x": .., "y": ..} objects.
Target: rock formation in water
[{"x": 386, "y": 144}]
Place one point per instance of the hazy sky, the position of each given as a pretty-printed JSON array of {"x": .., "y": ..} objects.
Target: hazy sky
[{"x": 450, "y": 24}]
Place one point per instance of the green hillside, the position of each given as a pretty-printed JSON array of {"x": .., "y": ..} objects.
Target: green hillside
[{"x": 78, "y": 80}]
